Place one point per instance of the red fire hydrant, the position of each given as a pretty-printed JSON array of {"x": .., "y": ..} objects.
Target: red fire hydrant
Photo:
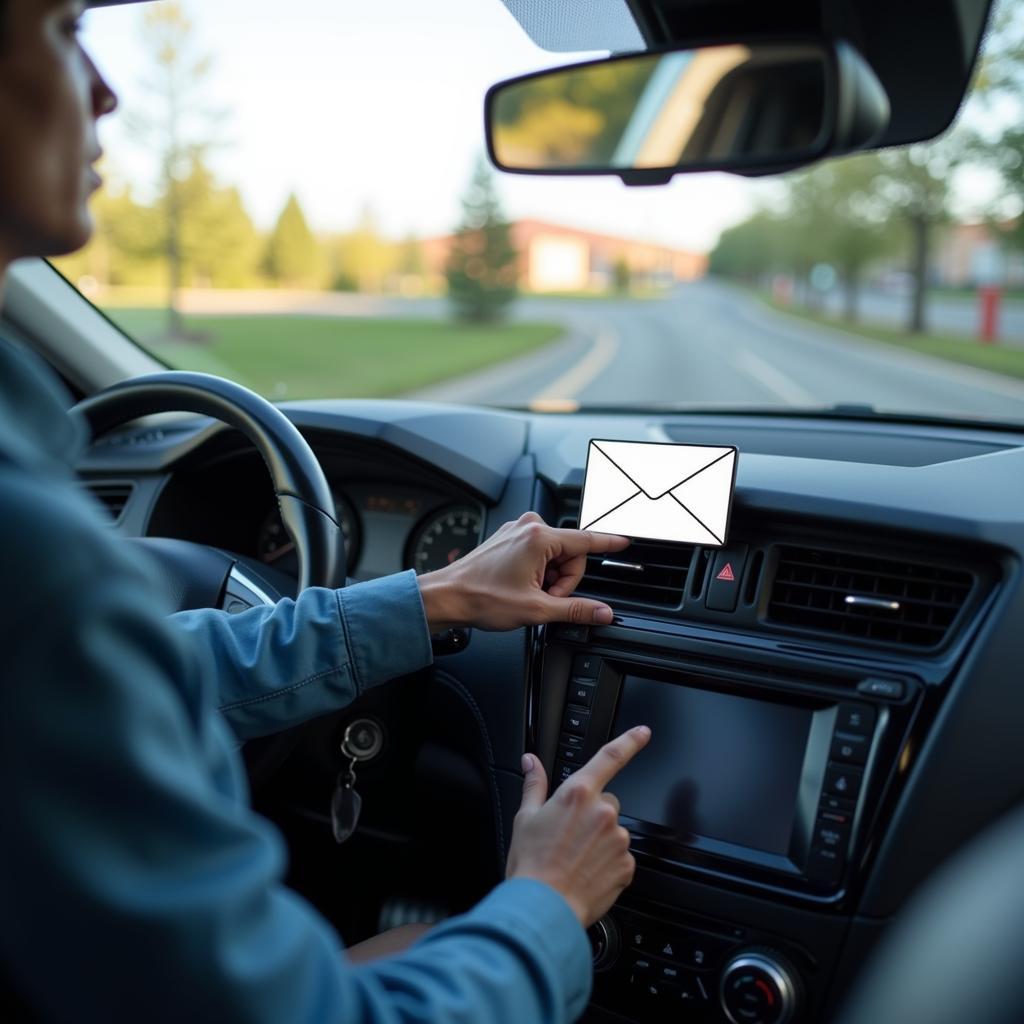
[{"x": 989, "y": 298}]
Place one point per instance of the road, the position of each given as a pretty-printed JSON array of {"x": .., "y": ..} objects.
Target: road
[{"x": 711, "y": 345}]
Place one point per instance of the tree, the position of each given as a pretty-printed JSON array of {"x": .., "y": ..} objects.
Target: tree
[
  {"x": 844, "y": 220},
  {"x": 482, "y": 267},
  {"x": 362, "y": 260},
  {"x": 914, "y": 187},
  {"x": 621, "y": 274},
  {"x": 219, "y": 245},
  {"x": 178, "y": 128},
  {"x": 998, "y": 142},
  {"x": 293, "y": 255}
]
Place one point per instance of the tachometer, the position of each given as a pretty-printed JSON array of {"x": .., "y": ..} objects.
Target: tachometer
[
  {"x": 275, "y": 547},
  {"x": 444, "y": 537}
]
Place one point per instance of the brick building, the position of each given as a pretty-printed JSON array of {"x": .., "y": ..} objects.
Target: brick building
[{"x": 553, "y": 257}]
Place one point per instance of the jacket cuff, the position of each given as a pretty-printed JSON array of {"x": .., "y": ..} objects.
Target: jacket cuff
[
  {"x": 385, "y": 628},
  {"x": 535, "y": 915}
]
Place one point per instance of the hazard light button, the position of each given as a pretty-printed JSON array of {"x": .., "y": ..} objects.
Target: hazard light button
[{"x": 726, "y": 574}]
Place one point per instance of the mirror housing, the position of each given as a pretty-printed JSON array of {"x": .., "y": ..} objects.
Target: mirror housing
[{"x": 751, "y": 106}]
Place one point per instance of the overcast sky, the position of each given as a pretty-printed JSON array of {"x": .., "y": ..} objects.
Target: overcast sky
[{"x": 352, "y": 103}]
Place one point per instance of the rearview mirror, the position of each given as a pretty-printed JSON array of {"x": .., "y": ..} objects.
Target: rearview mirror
[{"x": 748, "y": 107}]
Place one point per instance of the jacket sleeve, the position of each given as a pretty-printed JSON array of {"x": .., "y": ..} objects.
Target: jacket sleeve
[
  {"x": 277, "y": 667},
  {"x": 137, "y": 885}
]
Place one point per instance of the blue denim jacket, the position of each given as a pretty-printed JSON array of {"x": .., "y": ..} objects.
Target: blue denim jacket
[{"x": 136, "y": 882}]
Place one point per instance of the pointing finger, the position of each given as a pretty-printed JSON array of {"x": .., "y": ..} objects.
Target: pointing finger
[
  {"x": 614, "y": 756},
  {"x": 582, "y": 542}
]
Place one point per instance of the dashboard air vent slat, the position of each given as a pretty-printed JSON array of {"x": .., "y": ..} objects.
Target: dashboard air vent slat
[
  {"x": 647, "y": 573},
  {"x": 881, "y": 599},
  {"x": 112, "y": 494}
]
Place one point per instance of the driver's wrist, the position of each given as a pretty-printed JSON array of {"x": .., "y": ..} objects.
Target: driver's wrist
[{"x": 442, "y": 601}]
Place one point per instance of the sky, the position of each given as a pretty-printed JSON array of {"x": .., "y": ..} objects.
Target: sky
[{"x": 351, "y": 104}]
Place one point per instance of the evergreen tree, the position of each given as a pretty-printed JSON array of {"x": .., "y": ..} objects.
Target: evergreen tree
[
  {"x": 482, "y": 266},
  {"x": 293, "y": 255}
]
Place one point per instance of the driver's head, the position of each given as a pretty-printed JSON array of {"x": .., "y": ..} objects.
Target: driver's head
[{"x": 51, "y": 97}]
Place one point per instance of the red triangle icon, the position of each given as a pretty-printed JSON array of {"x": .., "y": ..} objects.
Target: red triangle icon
[{"x": 726, "y": 574}]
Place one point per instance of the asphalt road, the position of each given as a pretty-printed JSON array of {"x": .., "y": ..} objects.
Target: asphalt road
[{"x": 711, "y": 345}]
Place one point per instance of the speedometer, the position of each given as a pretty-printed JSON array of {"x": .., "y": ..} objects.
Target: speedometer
[
  {"x": 276, "y": 548},
  {"x": 444, "y": 537}
]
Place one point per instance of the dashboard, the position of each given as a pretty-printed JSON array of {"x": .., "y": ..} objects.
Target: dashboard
[{"x": 834, "y": 716}]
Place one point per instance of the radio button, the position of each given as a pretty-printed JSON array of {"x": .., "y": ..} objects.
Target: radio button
[
  {"x": 570, "y": 755},
  {"x": 838, "y": 804},
  {"x": 842, "y": 780},
  {"x": 849, "y": 748},
  {"x": 830, "y": 836},
  {"x": 825, "y": 864},
  {"x": 856, "y": 719},
  {"x": 890, "y": 689},
  {"x": 581, "y": 693},
  {"x": 586, "y": 666},
  {"x": 576, "y": 721}
]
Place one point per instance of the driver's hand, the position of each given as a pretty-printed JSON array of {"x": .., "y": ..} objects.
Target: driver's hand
[
  {"x": 523, "y": 575},
  {"x": 573, "y": 841}
]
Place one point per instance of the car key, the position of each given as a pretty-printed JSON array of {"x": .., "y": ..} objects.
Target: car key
[
  {"x": 346, "y": 803},
  {"x": 362, "y": 741}
]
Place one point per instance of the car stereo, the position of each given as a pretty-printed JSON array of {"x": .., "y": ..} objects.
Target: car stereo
[{"x": 760, "y": 777}]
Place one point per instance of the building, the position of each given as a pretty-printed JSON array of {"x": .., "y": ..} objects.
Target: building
[
  {"x": 968, "y": 255},
  {"x": 556, "y": 258}
]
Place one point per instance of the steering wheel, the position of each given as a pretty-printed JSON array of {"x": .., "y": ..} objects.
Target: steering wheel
[{"x": 202, "y": 576}]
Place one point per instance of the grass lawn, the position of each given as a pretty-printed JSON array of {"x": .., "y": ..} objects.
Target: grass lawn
[
  {"x": 284, "y": 356},
  {"x": 998, "y": 358}
]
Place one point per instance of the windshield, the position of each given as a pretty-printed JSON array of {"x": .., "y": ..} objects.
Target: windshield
[{"x": 296, "y": 197}]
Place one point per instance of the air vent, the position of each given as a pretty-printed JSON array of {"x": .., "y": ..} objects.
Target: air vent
[
  {"x": 647, "y": 573},
  {"x": 113, "y": 495},
  {"x": 885, "y": 600}
]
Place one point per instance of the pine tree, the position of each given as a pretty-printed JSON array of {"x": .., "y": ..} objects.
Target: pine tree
[
  {"x": 482, "y": 266},
  {"x": 293, "y": 255}
]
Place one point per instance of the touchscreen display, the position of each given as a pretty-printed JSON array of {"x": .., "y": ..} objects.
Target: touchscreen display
[{"x": 717, "y": 766}]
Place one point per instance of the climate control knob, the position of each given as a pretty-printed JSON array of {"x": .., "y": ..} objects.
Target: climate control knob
[
  {"x": 759, "y": 986},
  {"x": 604, "y": 943}
]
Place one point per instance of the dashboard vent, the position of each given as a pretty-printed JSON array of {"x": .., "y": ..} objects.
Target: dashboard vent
[
  {"x": 113, "y": 495},
  {"x": 647, "y": 573},
  {"x": 886, "y": 600}
]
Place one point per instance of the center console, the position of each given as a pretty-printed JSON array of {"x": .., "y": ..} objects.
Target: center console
[{"x": 752, "y": 812}]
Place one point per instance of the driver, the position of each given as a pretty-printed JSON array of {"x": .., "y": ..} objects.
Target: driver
[{"x": 136, "y": 882}]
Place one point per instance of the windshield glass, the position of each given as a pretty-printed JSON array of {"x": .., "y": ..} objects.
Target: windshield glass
[{"x": 296, "y": 197}]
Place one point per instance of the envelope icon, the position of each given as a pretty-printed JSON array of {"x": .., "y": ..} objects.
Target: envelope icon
[{"x": 673, "y": 492}]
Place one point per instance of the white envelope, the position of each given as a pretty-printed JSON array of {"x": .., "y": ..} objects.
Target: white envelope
[{"x": 673, "y": 492}]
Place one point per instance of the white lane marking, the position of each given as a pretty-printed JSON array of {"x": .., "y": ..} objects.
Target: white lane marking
[
  {"x": 588, "y": 369},
  {"x": 886, "y": 356},
  {"x": 775, "y": 381}
]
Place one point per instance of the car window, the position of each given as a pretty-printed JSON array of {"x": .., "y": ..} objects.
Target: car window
[{"x": 297, "y": 197}]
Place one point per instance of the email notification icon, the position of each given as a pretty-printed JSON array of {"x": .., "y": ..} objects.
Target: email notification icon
[{"x": 673, "y": 492}]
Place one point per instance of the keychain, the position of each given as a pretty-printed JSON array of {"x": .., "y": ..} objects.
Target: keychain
[{"x": 362, "y": 741}]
